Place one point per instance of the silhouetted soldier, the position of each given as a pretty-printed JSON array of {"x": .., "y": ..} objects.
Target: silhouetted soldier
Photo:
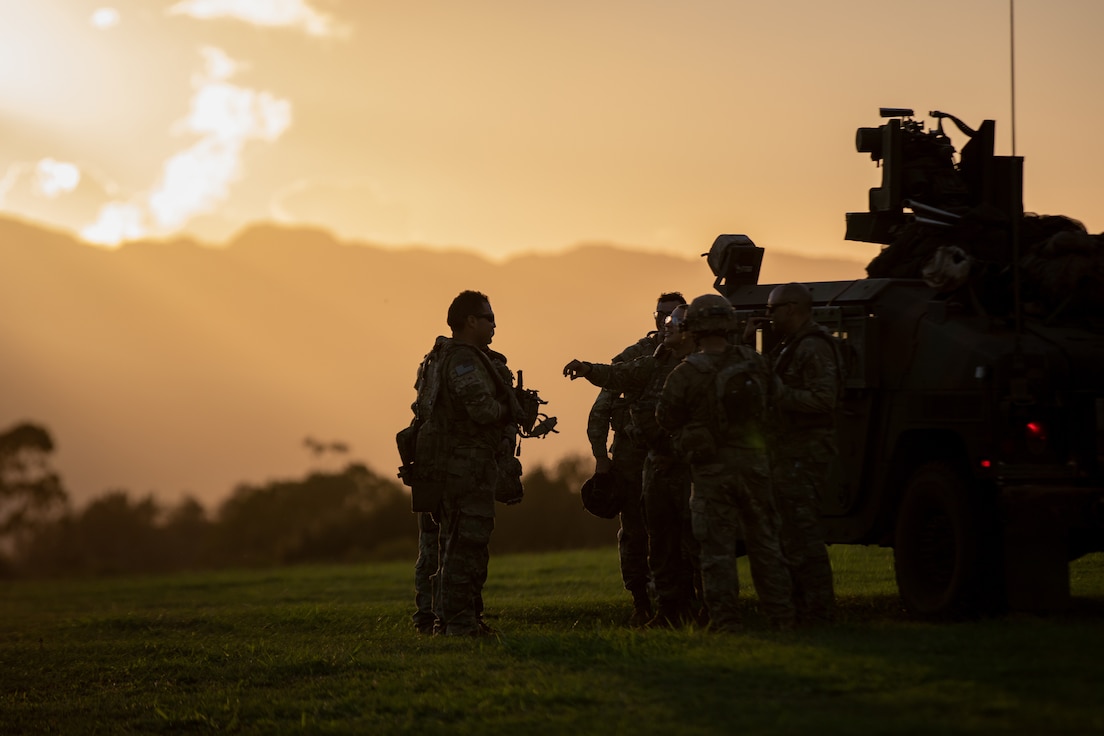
[
  {"x": 471, "y": 415},
  {"x": 672, "y": 558},
  {"x": 723, "y": 439},
  {"x": 807, "y": 364},
  {"x": 625, "y": 459}
]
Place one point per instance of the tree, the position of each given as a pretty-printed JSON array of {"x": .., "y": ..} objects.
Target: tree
[
  {"x": 325, "y": 517},
  {"x": 118, "y": 535},
  {"x": 30, "y": 491},
  {"x": 185, "y": 535}
]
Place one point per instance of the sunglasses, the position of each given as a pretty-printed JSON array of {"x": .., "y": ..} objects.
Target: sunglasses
[
  {"x": 488, "y": 317},
  {"x": 772, "y": 307}
]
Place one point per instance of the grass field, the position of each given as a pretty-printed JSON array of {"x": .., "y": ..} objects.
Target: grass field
[{"x": 331, "y": 650}]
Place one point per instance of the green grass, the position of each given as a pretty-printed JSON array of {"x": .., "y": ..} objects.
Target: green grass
[{"x": 331, "y": 650}]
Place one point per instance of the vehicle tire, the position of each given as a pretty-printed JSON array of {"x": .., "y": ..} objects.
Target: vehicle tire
[{"x": 945, "y": 558}]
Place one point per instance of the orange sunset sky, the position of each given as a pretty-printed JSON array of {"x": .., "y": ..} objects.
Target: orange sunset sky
[{"x": 509, "y": 126}]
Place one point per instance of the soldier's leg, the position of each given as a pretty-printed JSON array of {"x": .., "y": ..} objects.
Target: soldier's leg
[
  {"x": 632, "y": 537},
  {"x": 660, "y": 540},
  {"x": 667, "y": 507},
  {"x": 466, "y": 525},
  {"x": 477, "y": 601},
  {"x": 797, "y": 487},
  {"x": 759, "y": 521},
  {"x": 689, "y": 549},
  {"x": 425, "y": 573},
  {"x": 716, "y": 526}
]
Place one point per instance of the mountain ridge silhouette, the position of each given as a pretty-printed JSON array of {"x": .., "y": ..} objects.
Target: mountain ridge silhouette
[{"x": 175, "y": 367}]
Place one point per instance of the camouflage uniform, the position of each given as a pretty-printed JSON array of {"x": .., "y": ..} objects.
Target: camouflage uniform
[
  {"x": 673, "y": 557},
  {"x": 731, "y": 493},
  {"x": 801, "y": 452},
  {"x": 428, "y": 615},
  {"x": 425, "y": 572},
  {"x": 610, "y": 411},
  {"x": 477, "y": 416}
]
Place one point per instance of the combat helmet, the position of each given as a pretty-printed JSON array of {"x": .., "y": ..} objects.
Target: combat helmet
[
  {"x": 603, "y": 496},
  {"x": 710, "y": 313}
]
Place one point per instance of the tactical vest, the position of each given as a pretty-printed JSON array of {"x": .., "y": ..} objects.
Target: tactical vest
[
  {"x": 642, "y": 414},
  {"x": 796, "y": 420},
  {"x": 739, "y": 395},
  {"x": 621, "y": 407},
  {"x": 427, "y": 444}
]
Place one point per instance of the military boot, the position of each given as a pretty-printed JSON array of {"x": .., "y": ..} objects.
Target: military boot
[
  {"x": 662, "y": 620},
  {"x": 642, "y": 609},
  {"x": 670, "y": 616}
]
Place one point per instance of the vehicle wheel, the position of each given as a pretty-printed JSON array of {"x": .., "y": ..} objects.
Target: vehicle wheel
[{"x": 945, "y": 559}]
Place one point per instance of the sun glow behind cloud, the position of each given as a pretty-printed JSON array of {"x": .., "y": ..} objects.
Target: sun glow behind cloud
[
  {"x": 223, "y": 116},
  {"x": 508, "y": 127},
  {"x": 104, "y": 18},
  {"x": 195, "y": 181},
  {"x": 226, "y": 117}
]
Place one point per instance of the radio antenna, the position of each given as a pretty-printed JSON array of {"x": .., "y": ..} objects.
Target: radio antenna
[{"x": 1012, "y": 64}]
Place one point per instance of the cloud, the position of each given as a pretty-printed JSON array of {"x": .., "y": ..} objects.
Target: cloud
[
  {"x": 196, "y": 180},
  {"x": 297, "y": 14},
  {"x": 226, "y": 117},
  {"x": 117, "y": 221},
  {"x": 54, "y": 178},
  {"x": 59, "y": 192}
]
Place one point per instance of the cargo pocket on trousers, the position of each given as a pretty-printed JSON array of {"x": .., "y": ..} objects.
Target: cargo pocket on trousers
[
  {"x": 475, "y": 530},
  {"x": 699, "y": 524}
]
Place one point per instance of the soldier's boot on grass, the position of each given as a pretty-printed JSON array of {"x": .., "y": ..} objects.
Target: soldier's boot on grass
[
  {"x": 670, "y": 616},
  {"x": 642, "y": 609},
  {"x": 729, "y": 626},
  {"x": 479, "y": 631}
]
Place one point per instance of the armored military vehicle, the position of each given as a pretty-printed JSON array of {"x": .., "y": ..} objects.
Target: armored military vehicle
[{"x": 971, "y": 435}]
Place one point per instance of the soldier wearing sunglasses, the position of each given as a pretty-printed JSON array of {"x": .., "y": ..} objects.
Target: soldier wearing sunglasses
[{"x": 470, "y": 416}]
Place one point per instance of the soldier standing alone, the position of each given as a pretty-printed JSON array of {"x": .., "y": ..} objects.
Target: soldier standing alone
[
  {"x": 427, "y": 618},
  {"x": 469, "y": 416}
]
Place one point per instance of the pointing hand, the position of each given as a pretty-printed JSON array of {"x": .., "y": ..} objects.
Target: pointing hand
[{"x": 576, "y": 369}]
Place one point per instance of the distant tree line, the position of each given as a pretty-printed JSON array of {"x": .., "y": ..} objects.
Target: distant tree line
[{"x": 350, "y": 515}]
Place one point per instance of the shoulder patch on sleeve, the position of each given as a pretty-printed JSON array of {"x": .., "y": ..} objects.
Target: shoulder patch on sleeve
[{"x": 463, "y": 368}]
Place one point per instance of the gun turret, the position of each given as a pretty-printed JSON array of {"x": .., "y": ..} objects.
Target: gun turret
[{"x": 919, "y": 172}]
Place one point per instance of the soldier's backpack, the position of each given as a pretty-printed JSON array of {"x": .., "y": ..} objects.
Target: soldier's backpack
[
  {"x": 741, "y": 389},
  {"x": 423, "y": 444}
]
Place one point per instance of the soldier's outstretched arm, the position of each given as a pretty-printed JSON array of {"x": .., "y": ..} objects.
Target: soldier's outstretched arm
[
  {"x": 577, "y": 369},
  {"x": 619, "y": 377}
]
